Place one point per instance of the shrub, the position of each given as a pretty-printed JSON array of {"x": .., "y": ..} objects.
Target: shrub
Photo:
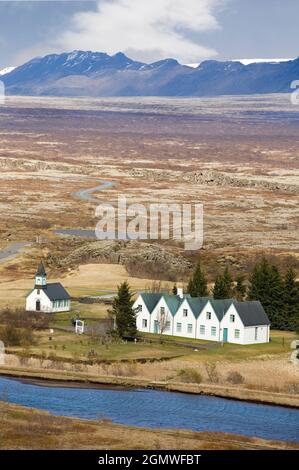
[
  {"x": 190, "y": 376},
  {"x": 12, "y": 336},
  {"x": 19, "y": 318},
  {"x": 235, "y": 377},
  {"x": 212, "y": 373}
]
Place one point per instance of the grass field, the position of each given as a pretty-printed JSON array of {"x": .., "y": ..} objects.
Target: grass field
[{"x": 66, "y": 345}]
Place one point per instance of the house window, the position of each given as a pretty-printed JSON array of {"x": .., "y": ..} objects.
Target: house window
[
  {"x": 232, "y": 318},
  {"x": 237, "y": 334},
  {"x": 209, "y": 315},
  {"x": 189, "y": 328},
  {"x": 144, "y": 323},
  {"x": 255, "y": 333},
  {"x": 202, "y": 330},
  {"x": 38, "y": 291},
  {"x": 213, "y": 330},
  {"x": 167, "y": 326},
  {"x": 139, "y": 308},
  {"x": 162, "y": 310},
  {"x": 179, "y": 327},
  {"x": 185, "y": 312}
]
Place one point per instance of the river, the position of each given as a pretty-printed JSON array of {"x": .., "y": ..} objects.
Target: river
[{"x": 157, "y": 409}]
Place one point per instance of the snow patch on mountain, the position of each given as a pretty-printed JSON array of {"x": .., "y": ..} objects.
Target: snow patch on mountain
[
  {"x": 261, "y": 61},
  {"x": 6, "y": 70}
]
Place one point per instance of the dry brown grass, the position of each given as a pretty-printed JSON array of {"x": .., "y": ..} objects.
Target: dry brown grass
[
  {"x": 65, "y": 160},
  {"x": 24, "y": 428}
]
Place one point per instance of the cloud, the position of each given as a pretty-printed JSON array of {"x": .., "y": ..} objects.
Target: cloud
[{"x": 144, "y": 29}]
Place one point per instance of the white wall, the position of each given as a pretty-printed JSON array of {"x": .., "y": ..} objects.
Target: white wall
[
  {"x": 214, "y": 322},
  {"x": 156, "y": 317},
  {"x": 45, "y": 302},
  {"x": 232, "y": 326},
  {"x": 185, "y": 321},
  {"x": 142, "y": 315},
  {"x": 263, "y": 333}
]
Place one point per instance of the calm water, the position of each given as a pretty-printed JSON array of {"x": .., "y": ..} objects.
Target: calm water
[{"x": 157, "y": 409}]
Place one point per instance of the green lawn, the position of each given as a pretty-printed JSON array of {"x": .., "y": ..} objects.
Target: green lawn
[
  {"x": 68, "y": 345},
  {"x": 279, "y": 344}
]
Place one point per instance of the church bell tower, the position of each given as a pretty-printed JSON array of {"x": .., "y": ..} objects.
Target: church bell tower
[{"x": 40, "y": 277}]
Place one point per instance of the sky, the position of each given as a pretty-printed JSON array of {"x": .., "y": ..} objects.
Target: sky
[{"x": 150, "y": 30}]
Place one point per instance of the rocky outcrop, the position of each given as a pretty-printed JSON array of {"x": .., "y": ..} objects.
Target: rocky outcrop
[
  {"x": 139, "y": 258},
  {"x": 213, "y": 178}
]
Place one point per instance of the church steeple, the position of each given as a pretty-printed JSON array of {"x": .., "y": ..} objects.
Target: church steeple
[{"x": 40, "y": 276}]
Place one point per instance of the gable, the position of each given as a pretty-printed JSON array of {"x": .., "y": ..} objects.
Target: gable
[
  {"x": 251, "y": 313},
  {"x": 151, "y": 300},
  {"x": 220, "y": 307}
]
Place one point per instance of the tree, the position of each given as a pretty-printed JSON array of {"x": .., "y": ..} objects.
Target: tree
[
  {"x": 175, "y": 290},
  {"x": 197, "y": 286},
  {"x": 123, "y": 312},
  {"x": 266, "y": 286},
  {"x": 291, "y": 300},
  {"x": 240, "y": 288},
  {"x": 223, "y": 287},
  {"x": 163, "y": 322}
]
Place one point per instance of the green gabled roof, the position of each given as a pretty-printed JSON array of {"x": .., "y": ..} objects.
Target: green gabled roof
[
  {"x": 196, "y": 304},
  {"x": 150, "y": 300},
  {"x": 173, "y": 302},
  {"x": 220, "y": 306}
]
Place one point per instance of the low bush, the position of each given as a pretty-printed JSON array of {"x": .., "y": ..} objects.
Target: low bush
[
  {"x": 212, "y": 373},
  {"x": 190, "y": 376},
  {"x": 235, "y": 378},
  {"x": 12, "y": 336}
]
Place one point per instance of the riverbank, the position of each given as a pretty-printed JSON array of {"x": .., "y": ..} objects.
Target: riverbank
[
  {"x": 26, "y": 428},
  {"x": 68, "y": 379}
]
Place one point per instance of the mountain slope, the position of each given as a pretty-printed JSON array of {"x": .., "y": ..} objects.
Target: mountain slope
[
  {"x": 6, "y": 70},
  {"x": 96, "y": 74}
]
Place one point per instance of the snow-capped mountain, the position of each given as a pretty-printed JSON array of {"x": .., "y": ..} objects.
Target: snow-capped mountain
[
  {"x": 6, "y": 70},
  {"x": 86, "y": 73}
]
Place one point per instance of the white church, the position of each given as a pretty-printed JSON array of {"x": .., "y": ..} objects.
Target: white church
[
  {"x": 45, "y": 297},
  {"x": 205, "y": 318}
]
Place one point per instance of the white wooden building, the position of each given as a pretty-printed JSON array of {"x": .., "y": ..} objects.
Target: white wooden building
[
  {"x": 45, "y": 297},
  {"x": 208, "y": 319}
]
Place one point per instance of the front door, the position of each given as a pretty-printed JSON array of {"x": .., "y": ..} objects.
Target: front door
[
  {"x": 37, "y": 306},
  {"x": 156, "y": 326},
  {"x": 225, "y": 335}
]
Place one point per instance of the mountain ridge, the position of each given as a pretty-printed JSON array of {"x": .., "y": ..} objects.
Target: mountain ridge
[{"x": 97, "y": 74}]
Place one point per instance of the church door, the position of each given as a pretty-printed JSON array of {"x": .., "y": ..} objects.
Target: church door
[{"x": 37, "y": 308}]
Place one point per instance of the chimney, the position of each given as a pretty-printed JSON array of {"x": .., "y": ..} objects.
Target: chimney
[{"x": 180, "y": 292}]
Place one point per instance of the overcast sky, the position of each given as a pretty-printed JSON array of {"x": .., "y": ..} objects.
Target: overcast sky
[{"x": 149, "y": 30}]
